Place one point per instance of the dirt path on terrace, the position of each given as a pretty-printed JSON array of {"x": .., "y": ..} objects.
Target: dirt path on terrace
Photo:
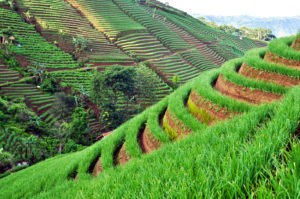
[
  {"x": 243, "y": 93},
  {"x": 121, "y": 156},
  {"x": 147, "y": 141},
  {"x": 269, "y": 57},
  {"x": 214, "y": 112},
  {"x": 267, "y": 76}
]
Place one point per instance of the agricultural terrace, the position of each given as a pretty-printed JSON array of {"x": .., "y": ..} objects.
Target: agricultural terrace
[
  {"x": 125, "y": 32},
  {"x": 231, "y": 132},
  {"x": 33, "y": 47},
  {"x": 107, "y": 17},
  {"x": 59, "y": 22},
  {"x": 39, "y": 102}
]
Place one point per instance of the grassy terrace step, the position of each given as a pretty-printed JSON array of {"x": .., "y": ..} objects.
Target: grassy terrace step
[
  {"x": 73, "y": 24},
  {"x": 244, "y": 146},
  {"x": 280, "y": 52}
]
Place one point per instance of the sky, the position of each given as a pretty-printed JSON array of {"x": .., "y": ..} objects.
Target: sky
[{"x": 258, "y": 8}]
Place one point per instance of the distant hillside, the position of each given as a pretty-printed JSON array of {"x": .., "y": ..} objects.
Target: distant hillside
[{"x": 280, "y": 26}]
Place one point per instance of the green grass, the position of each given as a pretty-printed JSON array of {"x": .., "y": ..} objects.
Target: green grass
[
  {"x": 282, "y": 48},
  {"x": 229, "y": 72},
  {"x": 254, "y": 58}
]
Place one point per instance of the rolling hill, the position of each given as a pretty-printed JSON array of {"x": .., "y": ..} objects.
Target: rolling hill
[
  {"x": 232, "y": 132},
  {"x": 280, "y": 26}
]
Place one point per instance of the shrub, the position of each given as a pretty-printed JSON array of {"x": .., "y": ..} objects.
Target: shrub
[
  {"x": 50, "y": 85},
  {"x": 64, "y": 106},
  {"x": 79, "y": 126},
  {"x": 7, "y": 173},
  {"x": 20, "y": 167},
  {"x": 6, "y": 161}
]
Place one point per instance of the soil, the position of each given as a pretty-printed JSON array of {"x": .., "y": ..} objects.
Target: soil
[
  {"x": 177, "y": 125},
  {"x": 243, "y": 93},
  {"x": 296, "y": 44},
  {"x": 22, "y": 60},
  {"x": 98, "y": 168},
  {"x": 76, "y": 177},
  {"x": 267, "y": 76},
  {"x": 215, "y": 111},
  {"x": 147, "y": 141},
  {"x": 269, "y": 57},
  {"x": 121, "y": 156}
]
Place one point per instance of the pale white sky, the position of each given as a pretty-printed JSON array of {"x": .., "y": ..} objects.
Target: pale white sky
[{"x": 259, "y": 8}]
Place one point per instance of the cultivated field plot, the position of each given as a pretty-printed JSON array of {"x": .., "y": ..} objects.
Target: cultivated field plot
[
  {"x": 174, "y": 66},
  {"x": 32, "y": 45},
  {"x": 60, "y": 22},
  {"x": 143, "y": 46},
  {"x": 107, "y": 17}
]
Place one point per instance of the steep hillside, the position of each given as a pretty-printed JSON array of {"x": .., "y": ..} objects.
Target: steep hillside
[
  {"x": 69, "y": 38},
  {"x": 233, "y": 132}
]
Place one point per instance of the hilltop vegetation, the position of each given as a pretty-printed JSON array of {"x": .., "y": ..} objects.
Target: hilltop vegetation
[
  {"x": 232, "y": 132},
  {"x": 280, "y": 26},
  {"x": 253, "y": 33}
]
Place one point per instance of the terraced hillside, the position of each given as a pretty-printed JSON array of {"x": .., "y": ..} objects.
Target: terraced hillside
[
  {"x": 169, "y": 42},
  {"x": 119, "y": 31},
  {"x": 232, "y": 132}
]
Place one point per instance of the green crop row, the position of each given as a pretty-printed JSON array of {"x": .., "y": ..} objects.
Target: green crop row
[
  {"x": 229, "y": 71},
  {"x": 282, "y": 48},
  {"x": 254, "y": 58}
]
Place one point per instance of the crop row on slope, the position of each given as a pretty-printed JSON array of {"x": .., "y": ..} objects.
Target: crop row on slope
[
  {"x": 39, "y": 102},
  {"x": 107, "y": 17},
  {"x": 49, "y": 14},
  {"x": 155, "y": 27},
  {"x": 142, "y": 45},
  {"x": 35, "y": 47},
  {"x": 199, "y": 43}
]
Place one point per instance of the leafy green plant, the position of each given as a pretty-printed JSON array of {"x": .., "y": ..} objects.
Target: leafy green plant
[{"x": 50, "y": 85}]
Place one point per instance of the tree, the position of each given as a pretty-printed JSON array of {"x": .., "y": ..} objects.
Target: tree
[
  {"x": 63, "y": 106},
  {"x": 62, "y": 133},
  {"x": 80, "y": 44},
  {"x": 144, "y": 85},
  {"x": 50, "y": 85},
  {"x": 7, "y": 36},
  {"x": 176, "y": 81},
  {"x": 110, "y": 87},
  {"x": 6, "y": 161},
  {"x": 38, "y": 72},
  {"x": 79, "y": 126},
  {"x": 115, "y": 82}
]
